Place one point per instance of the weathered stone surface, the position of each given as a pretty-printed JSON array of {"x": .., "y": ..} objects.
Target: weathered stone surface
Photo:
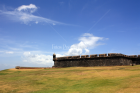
[
  {"x": 93, "y": 56},
  {"x": 115, "y": 54},
  {"x": 94, "y": 62},
  {"x": 61, "y": 58},
  {"x": 102, "y": 55},
  {"x": 84, "y": 56},
  {"x": 133, "y": 56},
  {"x": 76, "y": 57},
  {"x": 113, "y": 59}
]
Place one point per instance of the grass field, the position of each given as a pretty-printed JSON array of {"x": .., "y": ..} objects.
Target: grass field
[{"x": 115, "y": 79}]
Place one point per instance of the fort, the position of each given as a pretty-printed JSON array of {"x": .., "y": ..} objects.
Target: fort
[{"x": 110, "y": 59}]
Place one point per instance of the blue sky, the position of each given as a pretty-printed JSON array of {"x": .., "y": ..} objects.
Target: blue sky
[{"x": 32, "y": 30}]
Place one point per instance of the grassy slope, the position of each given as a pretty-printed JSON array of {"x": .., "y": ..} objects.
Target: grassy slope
[{"x": 115, "y": 79}]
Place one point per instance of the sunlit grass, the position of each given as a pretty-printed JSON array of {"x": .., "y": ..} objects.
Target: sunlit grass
[{"x": 115, "y": 79}]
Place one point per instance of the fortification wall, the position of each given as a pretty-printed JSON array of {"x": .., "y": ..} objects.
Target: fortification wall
[
  {"x": 112, "y": 59},
  {"x": 93, "y": 62},
  {"x": 18, "y": 67}
]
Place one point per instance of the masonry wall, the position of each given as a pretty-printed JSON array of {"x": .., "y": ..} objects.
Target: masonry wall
[
  {"x": 136, "y": 61},
  {"x": 18, "y": 67},
  {"x": 99, "y": 61}
]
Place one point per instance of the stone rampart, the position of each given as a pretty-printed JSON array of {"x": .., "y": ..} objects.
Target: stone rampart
[
  {"x": 112, "y": 59},
  {"x": 18, "y": 67}
]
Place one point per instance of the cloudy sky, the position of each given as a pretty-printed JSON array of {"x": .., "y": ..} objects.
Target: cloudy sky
[{"x": 32, "y": 30}]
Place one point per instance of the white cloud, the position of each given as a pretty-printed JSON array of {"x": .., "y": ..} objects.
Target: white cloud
[
  {"x": 26, "y": 53},
  {"x": 87, "y": 40},
  {"x": 36, "y": 22},
  {"x": 25, "y": 15},
  {"x": 9, "y": 52},
  {"x": 87, "y": 51},
  {"x": 34, "y": 58},
  {"x": 32, "y": 8},
  {"x": 59, "y": 55},
  {"x": 37, "y": 58}
]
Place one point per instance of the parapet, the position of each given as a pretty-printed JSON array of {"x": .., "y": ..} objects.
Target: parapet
[
  {"x": 115, "y": 54},
  {"x": 102, "y": 55},
  {"x": 84, "y": 56},
  {"x": 62, "y": 58},
  {"x": 69, "y": 57},
  {"x": 93, "y": 56},
  {"x": 132, "y": 56},
  {"x": 96, "y": 56},
  {"x": 76, "y": 57},
  {"x": 125, "y": 55}
]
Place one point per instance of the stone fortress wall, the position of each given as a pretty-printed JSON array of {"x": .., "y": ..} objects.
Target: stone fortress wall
[
  {"x": 19, "y": 67},
  {"x": 112, "y": 59}
]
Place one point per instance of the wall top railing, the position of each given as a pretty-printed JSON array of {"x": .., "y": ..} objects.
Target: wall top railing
[{"x": 96, "y": 56}]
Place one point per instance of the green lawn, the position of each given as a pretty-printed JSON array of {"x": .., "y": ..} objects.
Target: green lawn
[{"x": 115, "y": 79}]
